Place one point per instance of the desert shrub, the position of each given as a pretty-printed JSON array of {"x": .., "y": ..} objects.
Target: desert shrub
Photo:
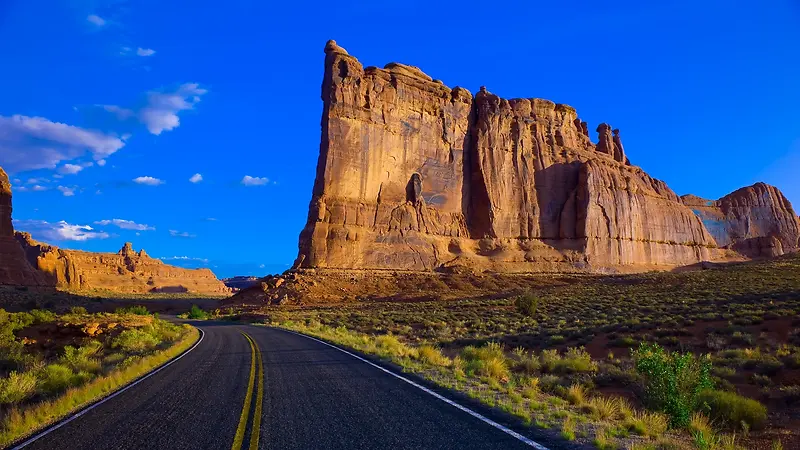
[
  {"x": 163, "y": 330},
  {"x": 55, "y": 378},
  {"x": 603, "y": 408},
  {"x": 488, "y": 360},
  {"x": 432, "y": 355},
  {"x": 732, "y": 409},
  {"x": 135, "y": 341},
  {"x": 574, "y": 360},
  {"x": 82, "y": 359},
  {"x": 197, "y": 313},
  {"x": 673, "y": 381},
  {"x": 576, "y": 394},
  {"x": 645, "y": 423},
  {"x": 79, "y": 310},
  {"x": 568, "y": 428},
  {"x": 17, "y": 387},
  {"x": 527, "y": 304},
  {"x": 529, "y": 365},
  {"x": 42, "y": 316},
  {"x": 702, "y": 433},
  {"x": 138, "y": 310}
]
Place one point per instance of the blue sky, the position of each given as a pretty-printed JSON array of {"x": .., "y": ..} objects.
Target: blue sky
[{"x": 108, "y": 108}]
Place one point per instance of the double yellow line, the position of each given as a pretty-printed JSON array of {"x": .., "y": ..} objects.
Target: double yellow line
[{"x": 256, "y": 366}]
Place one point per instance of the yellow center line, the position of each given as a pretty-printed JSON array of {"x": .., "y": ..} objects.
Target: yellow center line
[
  {"x": 239, "y": 438},
  {"x": 256, "y": 431}
]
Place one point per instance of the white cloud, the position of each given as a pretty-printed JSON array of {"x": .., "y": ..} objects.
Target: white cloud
[
  {"x": 150, "y": 181},
  {"x": 61, "y": 231},
  {"x": 34, "y": 181},
  {"x": 196, "y": 178},
  {"x": 145, "y": 51},
  {"x": 101, "y": 162},
  {"x": 182, "y": 258},
  {"x": 67, "y": 191},
  {"x": 96, "y": 20},
  {"x": 211, "y": 219},
  {"x": 125, "y": 224},
  {"x": 161, "y": 112},
  {"x": 70, "y": 169},
  {"x": 120, "y": 112},
  {"x": 29, "y": 143},
  {"x": 38, "y": 188},
  {"x": 183, "y": 234},
  {"x": 254, "y": 181}
]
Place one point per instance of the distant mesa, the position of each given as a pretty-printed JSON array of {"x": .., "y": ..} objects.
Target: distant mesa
[
  {"x": 126, "y": 271},
  {"x": 413, "y": 175},
  {"x": 241, "y": 282},
  {"x": 25, "y": 262}
]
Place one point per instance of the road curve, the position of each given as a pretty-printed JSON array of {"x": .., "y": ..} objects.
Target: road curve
[{"x": 312, "y": 396}]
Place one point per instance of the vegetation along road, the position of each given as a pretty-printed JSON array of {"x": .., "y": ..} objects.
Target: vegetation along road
[{"x": 248, "y": 387}]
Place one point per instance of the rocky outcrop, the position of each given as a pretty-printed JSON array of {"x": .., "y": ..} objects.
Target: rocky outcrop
[
  {"x": 14, "y": 268},
  {"x": 755, "y": 221},
  {"x": 125, "y": 271},
  {"x": 414, "y": 175}
]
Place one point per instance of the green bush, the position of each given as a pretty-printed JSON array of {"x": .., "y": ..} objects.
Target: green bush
[
  {"x": 527, "y": 304},
  {"x": 135, "y": 341},
  {"x": 574, "y": 360},
  {"x": 488, "y": 360},
  {"x": 197, "y": 313},
  {"x": 732, "y": 409},
  {"x": 163, "y": 330},
  {"x": 56, "y": 378},
  {"x": 673, "y": 381},
  {"x": 79, "y": 310},
  {"x": 83, "y": 359},
  {"x": 138, "y": 310},
  {"x": 42, "y": 316},
  {"x": 17, "y": 387}
]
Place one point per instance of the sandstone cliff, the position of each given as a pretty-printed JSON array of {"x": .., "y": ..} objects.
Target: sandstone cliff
[
  {"x": 14, "y": 268},
  {"x": 755, "y": 221},
  {"x": 125, "y": 271},
  {"x": 414, "y": 175}
]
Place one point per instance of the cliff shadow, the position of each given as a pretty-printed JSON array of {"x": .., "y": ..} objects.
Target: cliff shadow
[
  {"x": 556, "y": 201},
  {"x": 179, "y": 289}
]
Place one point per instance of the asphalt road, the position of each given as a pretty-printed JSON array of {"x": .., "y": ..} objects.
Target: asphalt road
[{"x": 311, "y": 396}]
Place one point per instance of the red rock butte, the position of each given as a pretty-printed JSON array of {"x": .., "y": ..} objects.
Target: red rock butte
[
  {"x": 414, "y": 175},
  {"x": 25, "y": 262}
]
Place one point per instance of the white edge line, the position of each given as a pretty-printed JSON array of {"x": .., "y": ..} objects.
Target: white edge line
[
  {"x": 69, "y": 419},
  {"x": 472, "y": 413}
]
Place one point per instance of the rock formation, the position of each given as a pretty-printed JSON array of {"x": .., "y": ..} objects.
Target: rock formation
[
  {"x": 414, "y": 175},
  {"x": 125, "y": 271},
  {"x": 755, "y": 221},
  {"x": 14, "y": 268}
]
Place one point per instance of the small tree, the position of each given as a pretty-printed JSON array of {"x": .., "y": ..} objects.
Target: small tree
[{"x": 673, "y": 381}]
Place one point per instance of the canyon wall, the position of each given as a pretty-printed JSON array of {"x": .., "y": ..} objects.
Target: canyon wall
[
  {"x": 14, "y": 268},
  {"x": 413, "y": 175},
  {"x": 126, "y": 271},
  {"x": 755, "y": 221}
]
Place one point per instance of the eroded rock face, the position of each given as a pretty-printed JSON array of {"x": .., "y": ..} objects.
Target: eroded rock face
[
  {"x": 125, "y": 271},
  {"x": 414, "y": 175},
  {"x": 756, "y": 220},
  {"x": 14, "y": 268}
]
